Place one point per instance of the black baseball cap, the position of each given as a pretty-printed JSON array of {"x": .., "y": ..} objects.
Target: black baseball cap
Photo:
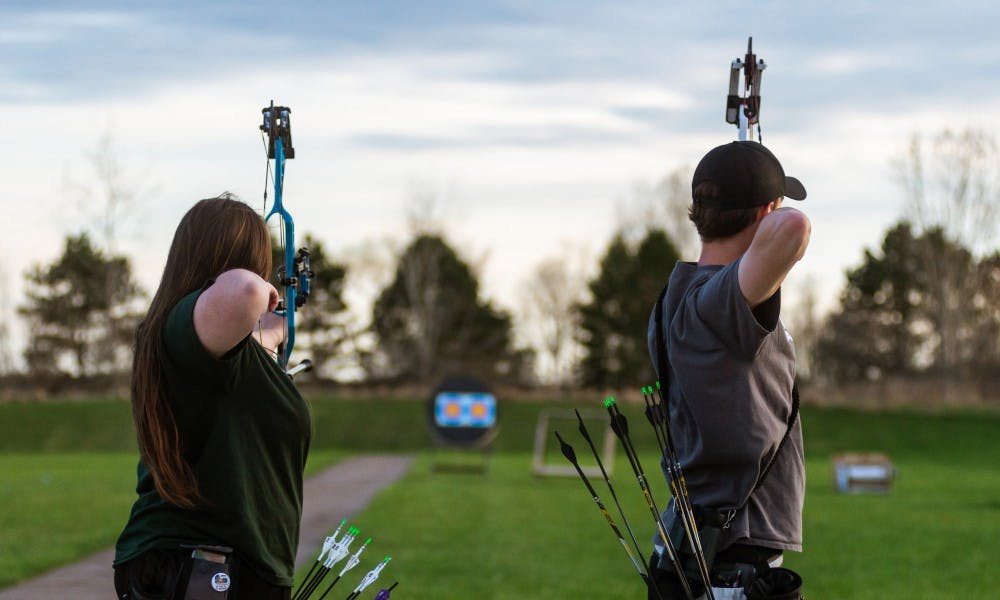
[{"x": 746, "y": 175}]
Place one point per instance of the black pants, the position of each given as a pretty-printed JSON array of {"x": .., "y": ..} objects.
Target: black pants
[{"x": 163, "y": 575}]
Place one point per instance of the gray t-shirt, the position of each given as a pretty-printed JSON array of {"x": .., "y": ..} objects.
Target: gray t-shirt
[{"x": 730, "y": 396}]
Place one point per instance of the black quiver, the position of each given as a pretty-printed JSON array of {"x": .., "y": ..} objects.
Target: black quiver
[{"x": 775, "y": 584}]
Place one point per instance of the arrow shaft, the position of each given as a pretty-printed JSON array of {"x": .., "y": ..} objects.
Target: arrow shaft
[
  {"x": 620, "y": 427},
  {"x": 570, "y": 455}
]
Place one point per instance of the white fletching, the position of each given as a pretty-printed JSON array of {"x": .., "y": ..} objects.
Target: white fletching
[
  {"x": 340, "y": 549},
  {"x": 329, "y": 541},
  {"x": 372, "y": 575},
  {"x": 355, "y": 559}
]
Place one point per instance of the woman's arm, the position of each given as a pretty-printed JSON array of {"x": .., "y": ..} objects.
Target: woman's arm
[{"x": 232, "y": 307}]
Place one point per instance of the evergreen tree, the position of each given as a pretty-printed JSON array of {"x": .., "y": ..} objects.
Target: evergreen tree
[
  {"x": 615, "y": 321},
  {"x": 902, "y": 313},
  {"x": 429, "y": 321},
  {"x": 81, "y": 312}
]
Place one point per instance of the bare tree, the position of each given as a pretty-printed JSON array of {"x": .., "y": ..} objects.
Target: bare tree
[
  {"x": 805, "y": 323},
  {"x": 370, "y": 267},
  {"x": 662, "y": 205},
  {"x": 423, "y": 289},
  {"x": 952, "y": 183},
  {"x": 428, "y": 209},
  {"x": 552, "y": 292},
  {"x": 107, "y": 197},
  {"x": 674, "y": 191}
]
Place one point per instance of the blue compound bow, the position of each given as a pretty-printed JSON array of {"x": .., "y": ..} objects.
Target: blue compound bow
[{"x": 294, "y": 274}]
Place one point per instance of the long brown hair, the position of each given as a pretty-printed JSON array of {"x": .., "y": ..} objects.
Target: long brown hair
[{"x": 216, "y": 235}]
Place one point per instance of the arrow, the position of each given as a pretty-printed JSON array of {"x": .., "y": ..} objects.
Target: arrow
[
  {"x": 351, "y": 563},
  {"x": 619, "y": 425},
  {"x": 656, "y": 412},
  {"x": 338, "y": 550},
  {"x": 369, "y": 578},
  {"x": 570, "y": 455}
]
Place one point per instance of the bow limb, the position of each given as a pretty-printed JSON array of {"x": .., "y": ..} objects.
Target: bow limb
[{"x": 287, "y": 240}]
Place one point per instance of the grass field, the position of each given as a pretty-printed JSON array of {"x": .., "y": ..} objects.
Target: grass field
[
  {"x": 67, "y": 472},
  {"x": 56, "y": 507}
]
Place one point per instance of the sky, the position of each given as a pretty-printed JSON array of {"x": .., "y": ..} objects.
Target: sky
[{"x": 532, "y": 123}]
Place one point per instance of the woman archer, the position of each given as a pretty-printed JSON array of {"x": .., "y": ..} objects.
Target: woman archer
[{"x": 222, "y": 432}]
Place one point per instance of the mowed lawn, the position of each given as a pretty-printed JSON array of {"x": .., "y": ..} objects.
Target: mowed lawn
[
  {"x": 56, "y": 507},
  {"x": 508, "y": 534}
]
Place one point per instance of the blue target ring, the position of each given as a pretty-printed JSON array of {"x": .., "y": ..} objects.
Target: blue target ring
[{"x": 465, "y": 409}]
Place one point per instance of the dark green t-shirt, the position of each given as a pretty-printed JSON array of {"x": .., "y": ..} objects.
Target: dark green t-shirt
[{"x": 245, "y": 429}]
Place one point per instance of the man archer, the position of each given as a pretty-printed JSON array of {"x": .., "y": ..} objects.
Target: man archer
[{"x": 729, "y": 365}]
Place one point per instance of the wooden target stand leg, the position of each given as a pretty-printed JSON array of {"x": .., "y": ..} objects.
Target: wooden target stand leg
[
  {"x": 449, "y": 458},
  {"x": 551, "y": 419}
]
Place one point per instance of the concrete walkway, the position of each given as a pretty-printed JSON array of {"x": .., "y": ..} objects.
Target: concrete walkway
[{"x": 340, "y": 492}]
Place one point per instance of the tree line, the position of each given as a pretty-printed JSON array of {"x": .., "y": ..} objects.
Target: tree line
[{"x": 926, "y": 302}]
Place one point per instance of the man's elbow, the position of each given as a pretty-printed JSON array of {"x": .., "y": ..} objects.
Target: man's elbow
[{"x": 796, "y": 229}]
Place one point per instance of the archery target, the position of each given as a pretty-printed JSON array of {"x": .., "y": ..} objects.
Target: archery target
[{"x": 463, "y": 411}]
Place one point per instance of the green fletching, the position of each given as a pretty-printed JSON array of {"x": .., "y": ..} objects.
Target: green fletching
[
  {"x": 657, "y": 384},
  {"x": 368, "y": 541}
]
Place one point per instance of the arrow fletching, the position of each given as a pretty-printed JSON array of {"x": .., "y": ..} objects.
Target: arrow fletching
[
  {"x": 582, "y": 427},
  {"x": 566, "y": 449},
  {"x": 384, "y": 594}
]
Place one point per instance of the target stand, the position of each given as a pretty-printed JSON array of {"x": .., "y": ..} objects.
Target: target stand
[
  {"x": 462, "y": 419},
  {"x": 547, "y": 420}
]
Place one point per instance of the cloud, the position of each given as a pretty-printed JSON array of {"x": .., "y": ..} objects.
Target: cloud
[{"x": 542, "y": 114}]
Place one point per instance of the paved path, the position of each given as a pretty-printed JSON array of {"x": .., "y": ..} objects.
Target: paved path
[{"x": 340, "y": 492}]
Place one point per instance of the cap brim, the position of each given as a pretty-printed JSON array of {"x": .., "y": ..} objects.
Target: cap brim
[{"x": 794, "y": 189}]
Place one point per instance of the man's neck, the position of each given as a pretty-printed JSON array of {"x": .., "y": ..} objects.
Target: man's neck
[{"x": 725, "y": 251}]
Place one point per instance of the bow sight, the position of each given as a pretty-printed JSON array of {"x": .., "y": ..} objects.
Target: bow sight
[
  {"x": 749, "y": 102},
  {"x": 278, "y": 125}
]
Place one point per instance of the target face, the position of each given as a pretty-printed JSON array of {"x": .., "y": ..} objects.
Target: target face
[{"x": 464, "y": 409}]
